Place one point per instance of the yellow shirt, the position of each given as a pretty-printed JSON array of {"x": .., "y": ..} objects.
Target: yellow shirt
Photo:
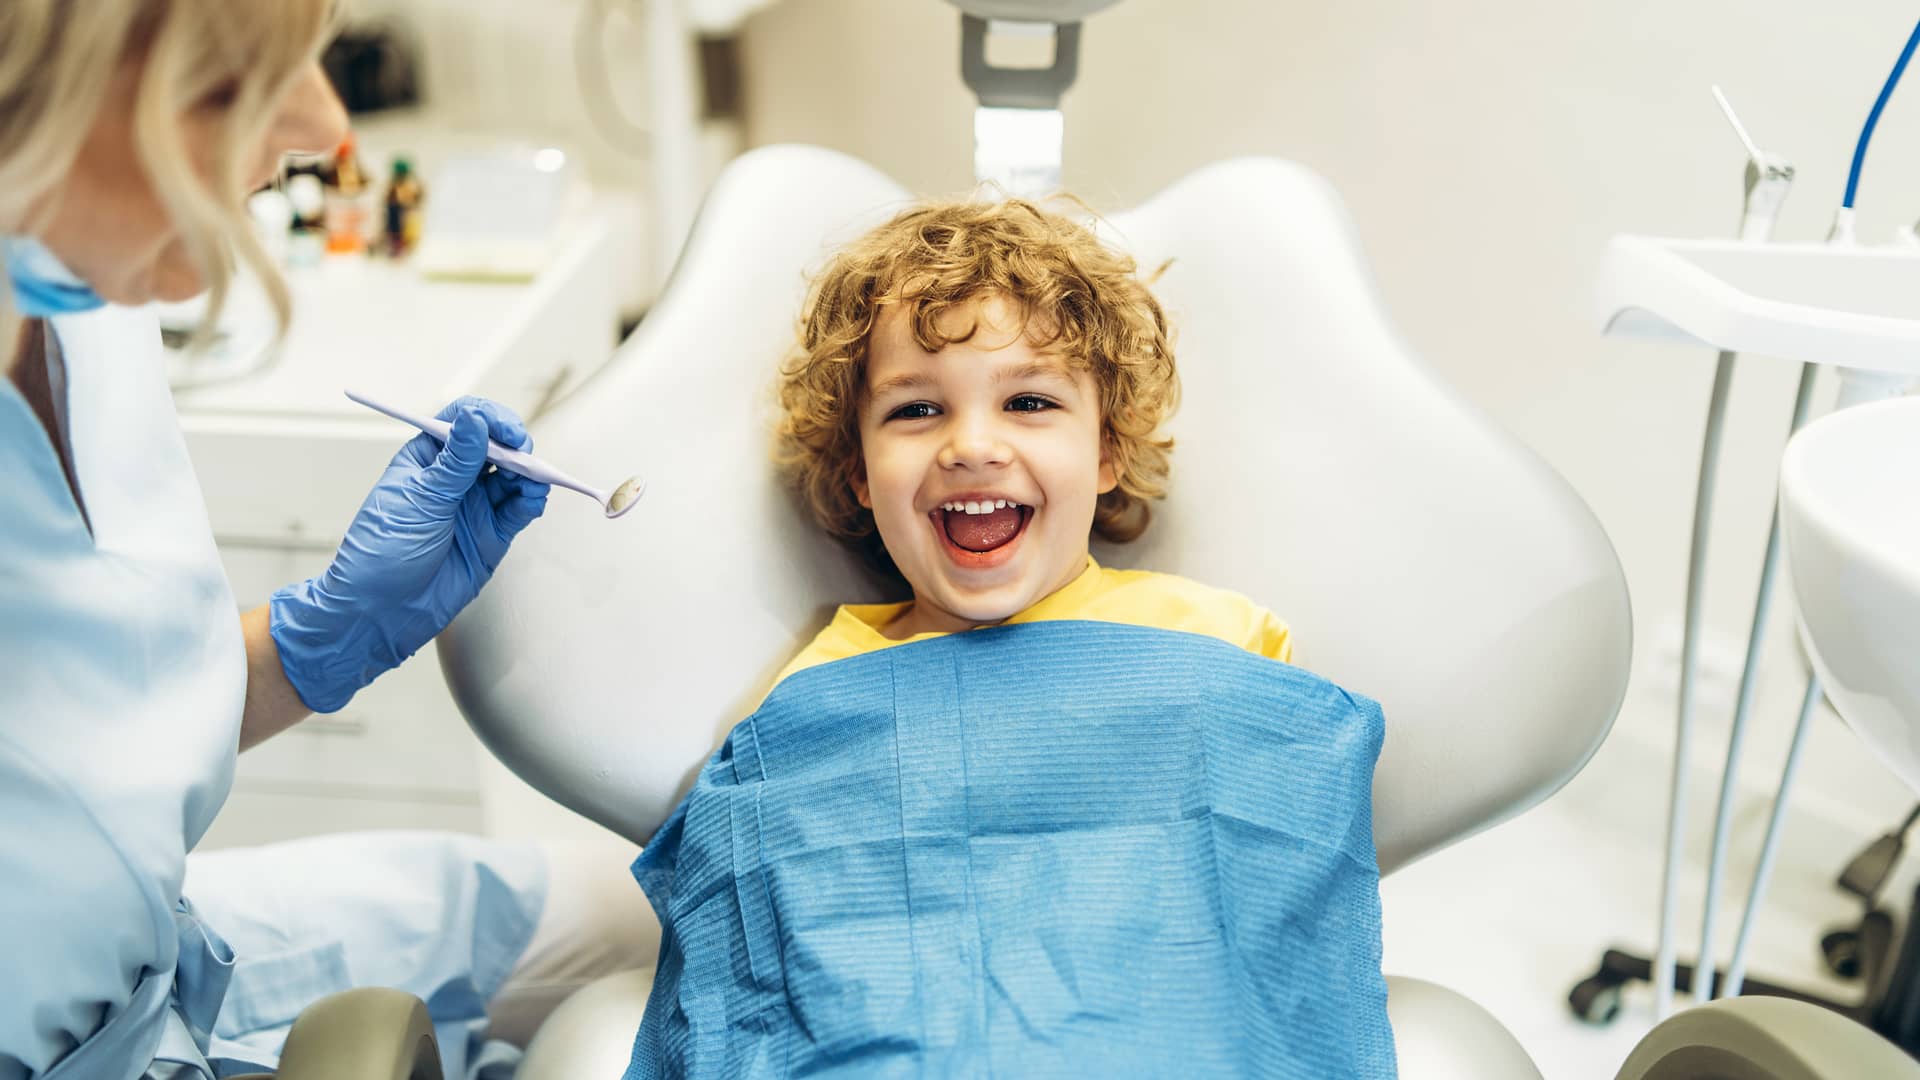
[{"x": 1132, "y": 597}]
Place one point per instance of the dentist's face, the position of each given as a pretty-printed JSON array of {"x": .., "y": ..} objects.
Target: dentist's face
[
  {"x": 109, "y": 225},
  {"x": 982, "y": 466}
]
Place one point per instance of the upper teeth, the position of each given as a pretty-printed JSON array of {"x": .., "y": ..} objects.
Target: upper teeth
[{"x": 986, "y": 506}]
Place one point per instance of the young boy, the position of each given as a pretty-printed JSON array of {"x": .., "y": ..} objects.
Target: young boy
[{"x": 1045, "y": 818}]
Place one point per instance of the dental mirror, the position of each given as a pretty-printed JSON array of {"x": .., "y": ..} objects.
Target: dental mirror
[{"x": 616, "y": 503}]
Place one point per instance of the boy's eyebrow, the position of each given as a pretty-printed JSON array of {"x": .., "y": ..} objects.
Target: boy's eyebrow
[
  {"x": 912, "y": 380},
  {"x": 1032, "y": 369}
]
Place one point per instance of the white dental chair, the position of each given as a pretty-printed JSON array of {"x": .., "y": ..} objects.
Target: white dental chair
[{"x": 1423, "y": 557}]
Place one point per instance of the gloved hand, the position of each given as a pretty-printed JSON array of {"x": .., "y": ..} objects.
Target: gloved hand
[{"x": 428, "y": 536}]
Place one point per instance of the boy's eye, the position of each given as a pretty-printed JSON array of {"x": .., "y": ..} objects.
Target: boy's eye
[
  {"x": 1029, "y": 403},
  {"x": 918, "y": 410}
]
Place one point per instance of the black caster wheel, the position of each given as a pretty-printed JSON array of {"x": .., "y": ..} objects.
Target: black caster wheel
[
  {"x": 1595, "y": 1000},
  {"x": 1841, "y": 948}
]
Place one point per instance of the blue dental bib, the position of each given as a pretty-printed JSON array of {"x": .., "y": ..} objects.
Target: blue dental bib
[{"x": 1050, "y": 849}]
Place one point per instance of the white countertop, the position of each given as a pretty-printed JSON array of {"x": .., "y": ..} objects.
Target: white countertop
[
  {"x": 284, "y": 458},
  {"x": 378, "y": 325}
]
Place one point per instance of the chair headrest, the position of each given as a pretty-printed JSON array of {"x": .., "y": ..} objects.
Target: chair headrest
[{"x": 1423, "y": 557}]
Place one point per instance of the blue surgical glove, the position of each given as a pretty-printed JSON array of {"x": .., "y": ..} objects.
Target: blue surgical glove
[{"x": 428, "y": 536}]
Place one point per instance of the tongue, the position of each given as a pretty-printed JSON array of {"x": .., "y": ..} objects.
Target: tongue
[{"x": 983, "y": 532}]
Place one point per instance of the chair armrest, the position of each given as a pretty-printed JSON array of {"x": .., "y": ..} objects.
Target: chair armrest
[
  {"x": 1765, "y": 1038},
  {"x": 592, "y": 1032},
  {"x": 368, "y": 1033},
  {"x": 1439, "y": 1034}
]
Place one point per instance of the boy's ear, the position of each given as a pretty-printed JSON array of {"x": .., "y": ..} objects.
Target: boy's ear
[
  {"x": 1109, "y": 479},
  {"x": 858, "y": 482}
]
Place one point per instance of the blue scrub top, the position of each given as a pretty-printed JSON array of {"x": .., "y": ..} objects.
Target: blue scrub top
[{"x": 122, "y": 682}]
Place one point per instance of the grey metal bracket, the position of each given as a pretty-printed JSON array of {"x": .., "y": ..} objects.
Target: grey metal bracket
[
  {"x": 1018, "y": 88},
  {"x": 1053, "y": 11}
]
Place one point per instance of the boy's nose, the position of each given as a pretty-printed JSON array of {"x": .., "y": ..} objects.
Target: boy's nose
[{"x": 974, "y": 446}]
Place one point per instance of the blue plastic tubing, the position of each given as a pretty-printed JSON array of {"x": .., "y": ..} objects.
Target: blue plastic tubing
[{"x": 1866, "y": 130}]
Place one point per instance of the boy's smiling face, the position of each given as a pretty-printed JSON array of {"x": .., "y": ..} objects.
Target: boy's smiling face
[{"x": 981, "y": 422}]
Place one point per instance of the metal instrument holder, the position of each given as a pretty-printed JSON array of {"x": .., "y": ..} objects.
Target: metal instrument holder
[{"x": 1018, "y": 130}]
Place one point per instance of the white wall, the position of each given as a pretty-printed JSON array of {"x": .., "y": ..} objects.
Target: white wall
[
  {"x": 511, "y": 69},
  {"x": 505, "y": 71},
  {"x": 1487, "y": 150}
]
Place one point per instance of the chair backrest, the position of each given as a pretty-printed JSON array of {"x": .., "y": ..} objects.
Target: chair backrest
[{"x": 1422, "y": 557}]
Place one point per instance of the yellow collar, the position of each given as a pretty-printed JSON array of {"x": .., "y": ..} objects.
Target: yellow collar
[{"x": 863, "y": 623}]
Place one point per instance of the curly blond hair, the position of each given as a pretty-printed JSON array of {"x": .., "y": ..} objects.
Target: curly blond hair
[{"x": 1075, "y": 296}]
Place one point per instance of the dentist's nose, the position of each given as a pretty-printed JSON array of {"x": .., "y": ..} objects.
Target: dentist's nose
[
  {"x": 974, "y": 443},
  {"x": 311, "y": 120}
]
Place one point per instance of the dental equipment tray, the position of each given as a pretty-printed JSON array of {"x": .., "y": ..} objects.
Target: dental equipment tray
[{"x": 1816, "y": 303}]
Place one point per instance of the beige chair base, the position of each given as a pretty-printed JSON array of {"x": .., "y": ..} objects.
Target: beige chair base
[
  {"x": 379, "y": 1034},
  {"x": 371, "y": 1033},
  {"x": 1764, "y": 1038}
]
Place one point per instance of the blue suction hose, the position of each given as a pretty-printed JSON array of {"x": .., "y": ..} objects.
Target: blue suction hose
[{"x": 1866, "y": 130}]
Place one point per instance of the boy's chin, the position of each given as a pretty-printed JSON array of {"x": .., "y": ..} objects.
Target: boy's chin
[
  {"x": 987, "y": 616},
  {"x": 940, "y": 603},
  {"x": 1001, "y": 605}
]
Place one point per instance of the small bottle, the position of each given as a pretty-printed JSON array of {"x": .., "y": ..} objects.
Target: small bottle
[
  {"x": 349, "y": 202},
  {"x": 404, "y": 196}
]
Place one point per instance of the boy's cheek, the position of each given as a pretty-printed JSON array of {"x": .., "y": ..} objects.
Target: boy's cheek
[{"x": 858, "y": 482}]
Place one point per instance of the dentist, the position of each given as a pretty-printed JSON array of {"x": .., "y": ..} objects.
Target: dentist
[{"x": 130, "y": 133}]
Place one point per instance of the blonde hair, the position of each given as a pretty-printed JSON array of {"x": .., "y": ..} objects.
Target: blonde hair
[
  {"x": 1076, "y": 297},
  {"x": 57, "y": 59}
]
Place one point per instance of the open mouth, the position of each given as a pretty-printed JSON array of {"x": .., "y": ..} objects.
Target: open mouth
[{"x": 981, "y": 533}]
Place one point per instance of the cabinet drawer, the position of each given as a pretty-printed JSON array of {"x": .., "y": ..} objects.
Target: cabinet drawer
[
  {"x": 401, "y": 737},
  {"x": 253, "y": 816}
]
